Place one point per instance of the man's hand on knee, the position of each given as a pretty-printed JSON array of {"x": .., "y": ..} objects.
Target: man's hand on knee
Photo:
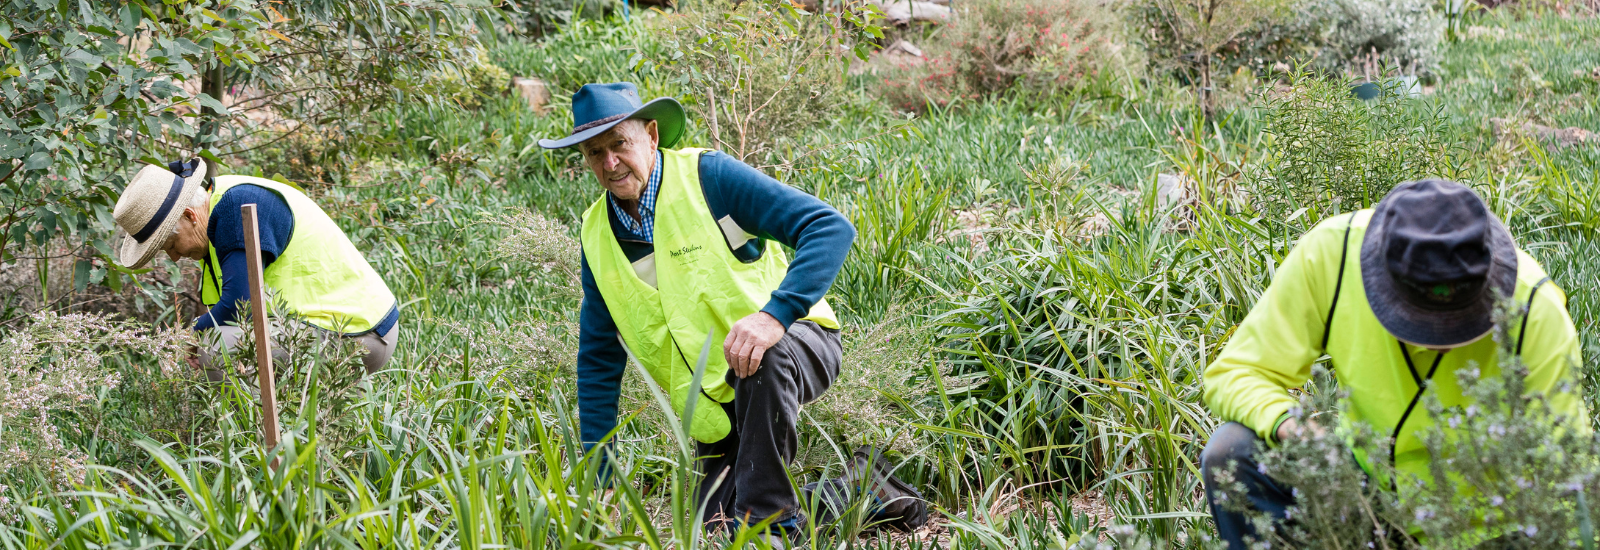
[{"x": 749, "y": 340}]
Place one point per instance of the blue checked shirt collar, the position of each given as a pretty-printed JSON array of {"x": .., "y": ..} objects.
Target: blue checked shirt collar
[{"x": 645, "y": 227}]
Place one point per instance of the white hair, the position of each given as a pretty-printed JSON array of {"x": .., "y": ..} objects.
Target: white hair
[
  {"x": 200, "y": 199},
  {"x": 635, "y": 124}
]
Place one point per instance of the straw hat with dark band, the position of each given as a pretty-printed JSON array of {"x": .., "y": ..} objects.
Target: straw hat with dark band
[
  {"x": 149, "y": 209},
  {"x": 1434, "y": 262}
]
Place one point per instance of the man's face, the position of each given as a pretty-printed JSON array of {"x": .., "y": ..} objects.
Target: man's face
[
  {"x": 190, "y": 239},
  {"x": 623, "y": 157}
]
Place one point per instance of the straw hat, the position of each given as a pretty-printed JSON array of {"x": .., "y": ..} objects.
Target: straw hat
[{"x": 149, "y": 209}]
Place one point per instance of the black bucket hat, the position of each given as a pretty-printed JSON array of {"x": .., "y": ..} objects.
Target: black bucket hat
[
  {"x": 1434, "y": 261},
  {"x": 598, "y": 107}
]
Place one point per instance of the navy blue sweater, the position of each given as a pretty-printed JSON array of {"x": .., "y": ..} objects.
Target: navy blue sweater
[
  {"x": 275, "y": 221},
  {"x": 226, "y": 231},
  {"x": 763, "y": 207}
]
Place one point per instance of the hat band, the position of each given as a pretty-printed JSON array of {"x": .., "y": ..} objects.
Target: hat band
[
  {"x": 166, "y": 204},
  {"x": 1442, "y": 296},
  {"x": 606, "y": 120}
]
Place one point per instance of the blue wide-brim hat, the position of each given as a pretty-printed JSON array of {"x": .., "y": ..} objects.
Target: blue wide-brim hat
[{"x": 598, "y": 107}]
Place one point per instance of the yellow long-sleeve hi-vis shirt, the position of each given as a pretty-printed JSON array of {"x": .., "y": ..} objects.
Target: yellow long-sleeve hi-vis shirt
[{"x": 1287, "y": 331}]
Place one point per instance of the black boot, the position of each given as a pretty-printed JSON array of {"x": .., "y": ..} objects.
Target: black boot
[{"x": 869, "y": 475}]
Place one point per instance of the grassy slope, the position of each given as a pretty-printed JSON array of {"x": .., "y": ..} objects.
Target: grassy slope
[
  {"x": 1120, "y": 147},
  {"x": 1150, "y": 305}
]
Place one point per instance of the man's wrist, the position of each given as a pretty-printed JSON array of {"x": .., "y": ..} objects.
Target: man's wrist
[
  {"x": 1277, "y": 427},
  {"x": 782, "y": 319}
]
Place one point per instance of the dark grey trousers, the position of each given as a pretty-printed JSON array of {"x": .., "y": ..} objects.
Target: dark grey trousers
[
  {"x": 752, "y": 460},
  {"x": 1233, "y": 447}
]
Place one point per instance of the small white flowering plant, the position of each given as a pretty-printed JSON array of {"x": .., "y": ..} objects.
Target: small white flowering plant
[{"x": 57, "y": 372}]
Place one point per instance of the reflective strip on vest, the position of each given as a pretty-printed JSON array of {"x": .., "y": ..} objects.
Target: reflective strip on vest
[
  {"x": 320, "y": 276},
  {"x": 700, "y": 288}
]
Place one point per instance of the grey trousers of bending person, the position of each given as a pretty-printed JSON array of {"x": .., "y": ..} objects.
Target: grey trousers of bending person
[
  {"x": 225, "y": 341},
  {"x": 1232, "y": 449},
  {"x": 752, "y": 461}
]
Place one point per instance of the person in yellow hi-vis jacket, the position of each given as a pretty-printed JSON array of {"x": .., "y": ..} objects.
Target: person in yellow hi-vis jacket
[
  {"x": 682, "y": 244},
  {"x": 316, "y": 272},
  {"x": 1400, "y": 297}
]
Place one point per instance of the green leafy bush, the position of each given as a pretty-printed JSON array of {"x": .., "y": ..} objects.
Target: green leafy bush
[
  {"x": 88, "y": 90},
  {"x": 1328, "y": 153},
  {"x": 469, "y": 86},
  {"x": 759, "y": 72},
  {"x": 580, "y": 52},
  {"x": 91, "y": 87}
]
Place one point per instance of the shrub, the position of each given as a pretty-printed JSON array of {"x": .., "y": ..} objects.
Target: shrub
[
  {"x": 309, "y": 155},
  {"x": 1518, "y": 471},
  {"x": 759, "y": 72},
  {"x": 468, "y": 86},
  {"x": 543, "y": 242},
  {"x": 1336, "y": 35},
  {"x": 90, "y": 88},
  {"x": 1329, "y": 153},
  {"x": 993, "y": 46},
  {"x": 1399, "y": 32},
  {"x": 1196, "y": 33},
  {"x": 1039, "y": 46},
  {"x": 55, "y": 369}
]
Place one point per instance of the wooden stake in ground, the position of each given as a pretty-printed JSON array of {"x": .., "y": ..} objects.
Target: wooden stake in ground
[{"x": 258, "y": 320}]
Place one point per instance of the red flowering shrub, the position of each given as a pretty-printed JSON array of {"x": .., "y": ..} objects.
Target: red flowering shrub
[{"x": 991, "y": 46}]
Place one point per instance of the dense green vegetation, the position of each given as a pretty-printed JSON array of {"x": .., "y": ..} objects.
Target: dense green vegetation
[{"x": 1027, "y": 317}]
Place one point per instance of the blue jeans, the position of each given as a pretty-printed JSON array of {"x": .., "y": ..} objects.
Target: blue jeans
[{"x": 1232, "y": 449}]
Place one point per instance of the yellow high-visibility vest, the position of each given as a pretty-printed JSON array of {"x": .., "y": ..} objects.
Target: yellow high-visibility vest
[
  {"x": 665, "y": 304},
  {"x": 320, "y": 276}
]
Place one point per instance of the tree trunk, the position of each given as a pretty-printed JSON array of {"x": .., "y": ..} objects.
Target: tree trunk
[{"x": 212, "y": 83}]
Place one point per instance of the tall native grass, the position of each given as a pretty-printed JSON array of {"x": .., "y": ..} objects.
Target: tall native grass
[{"x": 437, "y": 458}]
